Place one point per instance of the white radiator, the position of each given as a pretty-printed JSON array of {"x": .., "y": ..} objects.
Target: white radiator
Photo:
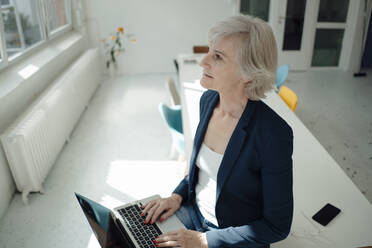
[{"x": 33, "y": 142}]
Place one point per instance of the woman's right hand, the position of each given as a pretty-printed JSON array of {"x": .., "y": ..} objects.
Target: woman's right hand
[{"x": 163, "y": 206}]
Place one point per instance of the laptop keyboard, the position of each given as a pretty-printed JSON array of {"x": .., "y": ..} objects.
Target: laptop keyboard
[{"x": 144, "y": 234}]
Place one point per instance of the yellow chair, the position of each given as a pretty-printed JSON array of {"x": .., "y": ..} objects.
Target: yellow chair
[{"x": 289, "y": 97}]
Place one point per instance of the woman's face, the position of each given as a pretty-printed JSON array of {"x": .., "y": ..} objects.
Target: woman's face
[{"x": 221, "y": 70}]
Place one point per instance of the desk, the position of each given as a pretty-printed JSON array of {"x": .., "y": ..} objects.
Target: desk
[{"x": 317, "y": 178}]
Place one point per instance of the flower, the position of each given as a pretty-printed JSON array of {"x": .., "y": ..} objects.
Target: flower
[{"x": 114, "y": 45}]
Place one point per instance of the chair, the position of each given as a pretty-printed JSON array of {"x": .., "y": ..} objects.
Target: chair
[
  {"x": 281, "y": 75},
  {"x": 172, "y": 91},
  {"x": 289, "y": 97},
  {"x": 173, "y": 118},
  {"x": 200, "y": 49},
  {"x": 176, "y": 65}
]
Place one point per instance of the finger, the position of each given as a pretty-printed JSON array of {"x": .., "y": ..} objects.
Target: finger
[
  {"x": 168, "y": 244},
  {"x": 166, "y": 237},
  {"x": 150, "y": 213},
  {"x": 168, "y": 213},
  {"x": 158, "y": 212},
  {"x": 147, "y": 203},
  {"x": 172, "y": 233},
  {"x": 148, "y": 206}
]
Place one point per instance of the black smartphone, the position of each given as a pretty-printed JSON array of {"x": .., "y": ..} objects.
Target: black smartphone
[{"x": 326, "y": 214}]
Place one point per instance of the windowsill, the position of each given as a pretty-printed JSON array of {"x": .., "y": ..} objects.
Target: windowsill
[{"x": 14, "y": 75}]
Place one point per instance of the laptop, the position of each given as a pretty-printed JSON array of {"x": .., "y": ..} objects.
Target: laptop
[{"x": 123, "y": 227}]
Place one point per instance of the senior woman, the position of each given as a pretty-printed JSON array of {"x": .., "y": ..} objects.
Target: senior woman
[{"x": 238, "y": 192}]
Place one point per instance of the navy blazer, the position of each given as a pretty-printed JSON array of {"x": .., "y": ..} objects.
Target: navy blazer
[{"x": 254, "y": 197}]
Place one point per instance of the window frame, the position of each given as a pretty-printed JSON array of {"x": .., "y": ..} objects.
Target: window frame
[
  {"x": 58, "y": 31},
  {"x": 4, "y": 54},
  {"x": 46, "y": 35}
]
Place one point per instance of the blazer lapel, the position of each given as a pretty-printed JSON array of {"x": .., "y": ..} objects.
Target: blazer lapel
[{"x": 234, "y": 146}]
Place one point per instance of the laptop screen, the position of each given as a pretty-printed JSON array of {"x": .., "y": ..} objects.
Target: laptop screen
[{"x": 102, "y": 223}]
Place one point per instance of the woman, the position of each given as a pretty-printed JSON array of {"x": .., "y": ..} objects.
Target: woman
[{"x": 238, "y": 192}]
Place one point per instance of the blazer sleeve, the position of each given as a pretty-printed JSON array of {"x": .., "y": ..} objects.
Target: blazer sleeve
[
  {"x": 277, "y": 186},
  {"x": 183, "y": 186}
]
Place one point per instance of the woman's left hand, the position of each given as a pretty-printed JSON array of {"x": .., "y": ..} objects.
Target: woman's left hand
[{"x": 182, "y": 238}]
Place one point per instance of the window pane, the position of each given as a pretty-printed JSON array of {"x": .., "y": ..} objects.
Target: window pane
[
  {"x": 294, "y": 23},
  {"x": 4, "y": 2},
  {"x": 57, "y": 14},
  {"x": 257, "y": 8},
  {"x": 333, "y": 10},
  {"x": 327, "y": 47},
  {"x": 21, "y": 25}
]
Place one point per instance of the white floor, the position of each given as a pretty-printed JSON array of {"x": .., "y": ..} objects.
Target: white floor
[
  {"x": 119, "y": 152},
  {"x": 337, "y": 108}
]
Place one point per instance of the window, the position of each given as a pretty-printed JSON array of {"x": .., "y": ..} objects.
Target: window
[
  {"x": 327, "y": 47},
  {"x": 294, "y": 24},
  {"x": 329, "y": 35},
  {"x": 58, "y": 14},
  {"x": 27, "y": 24},
  {"x": 21, "y": 20}
]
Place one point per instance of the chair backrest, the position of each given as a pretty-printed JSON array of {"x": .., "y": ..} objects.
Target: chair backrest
[
  {"x": 170, "y": 85},
  {"x": 281, "y": 75},
  {"x": 289, "y": 97},
  {"x": 200, "y": 49},
  {"x": 172, "y": 116}
]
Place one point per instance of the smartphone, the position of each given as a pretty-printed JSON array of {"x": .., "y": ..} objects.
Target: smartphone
[{"x": 326, "y": 214}]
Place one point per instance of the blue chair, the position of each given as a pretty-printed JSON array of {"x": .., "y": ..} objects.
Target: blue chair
[
  {"x": 173, "y": 118},
  {"x": 281, "y": 76}
]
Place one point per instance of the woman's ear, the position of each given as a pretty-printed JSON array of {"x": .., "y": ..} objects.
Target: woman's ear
[{"x": 247, "y": 82}]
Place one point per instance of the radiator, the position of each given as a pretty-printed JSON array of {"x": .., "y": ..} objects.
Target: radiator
[{"x": 33, "y": 142}]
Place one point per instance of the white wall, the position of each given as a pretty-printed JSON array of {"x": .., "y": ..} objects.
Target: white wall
[
  {"x": 163, "y": 28},
  {"x": 168, "y": 27}
]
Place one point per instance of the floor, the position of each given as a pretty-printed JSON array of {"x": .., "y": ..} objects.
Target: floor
[
  {"x": 337, "y": 109},
  {"x": 119, "y": 151}
]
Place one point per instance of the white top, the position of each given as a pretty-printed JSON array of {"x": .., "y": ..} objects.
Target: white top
[{"x": 208, "y": 163}]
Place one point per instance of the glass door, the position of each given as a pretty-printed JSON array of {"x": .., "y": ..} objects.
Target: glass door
[
  {"x": 309, "y": 33},
  {"x": 294, "y": 32},
  {"x": 329, "y": 34}
]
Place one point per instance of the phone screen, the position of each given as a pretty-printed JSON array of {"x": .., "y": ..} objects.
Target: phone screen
[{"x": 326, "y": 214}]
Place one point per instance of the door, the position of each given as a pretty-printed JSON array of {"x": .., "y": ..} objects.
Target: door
[{"x": 294, "y": 31}]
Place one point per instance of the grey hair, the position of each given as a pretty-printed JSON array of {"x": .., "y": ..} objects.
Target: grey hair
[{"x": 257, "y": 54}]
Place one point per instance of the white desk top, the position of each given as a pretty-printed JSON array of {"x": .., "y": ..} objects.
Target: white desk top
[{"x": 318, "y": 179}]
